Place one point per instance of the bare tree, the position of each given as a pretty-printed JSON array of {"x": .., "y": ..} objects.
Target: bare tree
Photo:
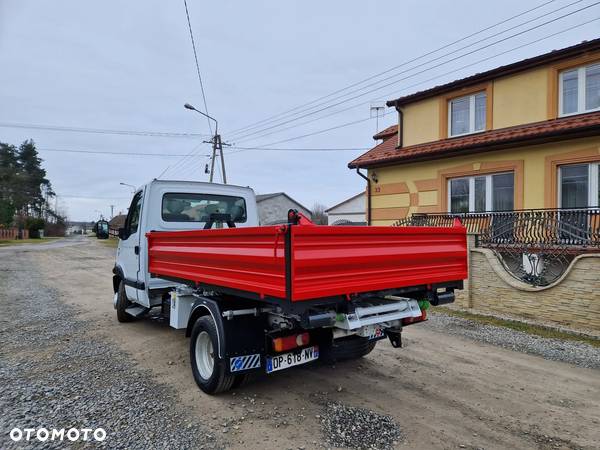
[{"x": 318, "y": 214}]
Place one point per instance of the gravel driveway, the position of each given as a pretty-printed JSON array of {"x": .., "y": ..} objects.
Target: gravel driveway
[
  {"x": 578, "y": 353},
  {"x": 53, "y": 375}
]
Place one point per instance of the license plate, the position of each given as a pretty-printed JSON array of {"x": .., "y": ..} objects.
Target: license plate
[{"x": 285, "y": 360}]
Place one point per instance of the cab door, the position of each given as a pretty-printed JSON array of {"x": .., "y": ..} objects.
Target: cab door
[{"x": 129, "y": 250}]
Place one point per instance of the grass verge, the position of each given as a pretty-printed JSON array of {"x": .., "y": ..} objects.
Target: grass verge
[
  {"x": 7, "y": 242},
  {"x": 537, "y": 330},
  {"x": 110, "y": 242}
]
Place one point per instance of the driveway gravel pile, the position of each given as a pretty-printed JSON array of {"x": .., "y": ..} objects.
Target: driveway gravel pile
[
  {"x": 53, "y": 375},
  {"x": 348, "y": 426},
  {"x": 573, "y": 352}
]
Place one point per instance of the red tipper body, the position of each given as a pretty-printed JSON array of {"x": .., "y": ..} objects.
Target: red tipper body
[{"x": 304, "y": 262}]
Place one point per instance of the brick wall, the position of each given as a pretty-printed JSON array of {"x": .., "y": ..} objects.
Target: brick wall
[{"x": 573, "y": 301}]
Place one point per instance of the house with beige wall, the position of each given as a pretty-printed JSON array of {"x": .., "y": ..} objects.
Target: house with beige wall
[
  {"x": 521, "y": 136},
  {"x": 515, "y": 151}
]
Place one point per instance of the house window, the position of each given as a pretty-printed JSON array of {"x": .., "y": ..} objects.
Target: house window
[
  {"x": 579, "y": 90},
  {"x": 495, "y": 192},
  {"x": 579, "y": 186},
  {"x": 467, "y": 114}
]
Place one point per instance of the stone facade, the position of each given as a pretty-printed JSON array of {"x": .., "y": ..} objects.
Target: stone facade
[{"x": 573, "y": 301}]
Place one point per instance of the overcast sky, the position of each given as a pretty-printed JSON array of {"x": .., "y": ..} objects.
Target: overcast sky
[{"x": 128, "y": 65}]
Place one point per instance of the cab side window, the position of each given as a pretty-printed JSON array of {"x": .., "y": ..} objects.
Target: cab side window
[{"x": 133, "y": 218}]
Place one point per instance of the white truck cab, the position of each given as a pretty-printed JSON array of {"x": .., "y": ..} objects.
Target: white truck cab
[{"x": 162, "y": 205}]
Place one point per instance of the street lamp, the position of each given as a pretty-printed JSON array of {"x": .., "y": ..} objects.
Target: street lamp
[
  {"x": 216, "y": 145},
  {"x": 191, "y": 108},
  {"x": 129, "y": 185}
]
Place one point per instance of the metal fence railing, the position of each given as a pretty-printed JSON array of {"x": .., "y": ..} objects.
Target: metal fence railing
[
  {"x": 536, "y": 246},
  {"x": 570, "y": 227}
]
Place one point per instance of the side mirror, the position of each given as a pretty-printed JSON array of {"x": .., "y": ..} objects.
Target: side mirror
[{"x": 122, "y": 234}]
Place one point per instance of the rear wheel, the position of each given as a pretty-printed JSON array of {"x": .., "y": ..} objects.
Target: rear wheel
[
  {"x": 122, "y": 304},
  {"x": 210, "y": 371},
  {"x": 352, "y": 347}
]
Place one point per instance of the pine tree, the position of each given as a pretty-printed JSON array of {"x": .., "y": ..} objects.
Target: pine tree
[
  {"x": 32, "y": 180},
  {"x": 24, "y": 188},
  {"x": 8, "y": 175}
]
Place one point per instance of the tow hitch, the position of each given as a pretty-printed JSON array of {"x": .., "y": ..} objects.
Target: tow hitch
[{"x": 395, "y": 337}]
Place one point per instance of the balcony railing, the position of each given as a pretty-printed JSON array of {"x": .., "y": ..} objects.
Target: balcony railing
[
  {"x": 577, "y": 227},
  {"x": 535, "y": 245}
]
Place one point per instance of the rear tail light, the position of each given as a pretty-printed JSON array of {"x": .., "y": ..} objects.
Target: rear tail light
[
  {"x": 282, "y": 344},
  {"x": 408, "y": 320}
]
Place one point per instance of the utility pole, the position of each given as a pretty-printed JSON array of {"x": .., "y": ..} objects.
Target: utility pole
[
  {"x": 217, "y": 147},
  {"x": 216, "y": 143}
]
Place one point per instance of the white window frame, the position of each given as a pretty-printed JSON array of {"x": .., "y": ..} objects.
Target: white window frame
[
  {"x": 471, "y": 98},
  {"x": 488, "y": 190},
  {"x": 593, "y": 183},
  {"x": 580, "y": 91}
]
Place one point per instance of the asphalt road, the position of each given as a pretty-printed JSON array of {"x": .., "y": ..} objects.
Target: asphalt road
[{"x": 65, "y": 358}]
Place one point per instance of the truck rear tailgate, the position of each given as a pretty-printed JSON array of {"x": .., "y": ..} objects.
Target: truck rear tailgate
[{"x": 298, "y": 263}]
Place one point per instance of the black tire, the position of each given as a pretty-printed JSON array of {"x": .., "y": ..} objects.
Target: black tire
[
  {"x": 122, "y": 304},
  {"x": 345, "y": 349},
  {"x": 219, "y": 380}
]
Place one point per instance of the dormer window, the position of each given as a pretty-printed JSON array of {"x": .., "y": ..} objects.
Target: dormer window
[
  {"x": 467, "y": 114},
  {"x": 579, "y": 90}
]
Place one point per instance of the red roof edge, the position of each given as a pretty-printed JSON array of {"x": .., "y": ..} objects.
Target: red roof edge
[
  {"x": 388, "y": 132},
  {"x": 582, "y": 125},
  {"x": 519, "y": 66}
]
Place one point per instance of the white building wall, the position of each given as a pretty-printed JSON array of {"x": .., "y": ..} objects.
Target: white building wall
[
  {"x": 275, "y": 209},
  {"x": 352, "y": 210}
]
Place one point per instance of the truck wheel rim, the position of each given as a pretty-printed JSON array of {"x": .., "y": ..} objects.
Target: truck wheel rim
[{"x": 205, "y": 359}]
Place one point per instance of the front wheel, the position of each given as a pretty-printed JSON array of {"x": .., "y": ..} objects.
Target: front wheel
[
  {"x": 210, "y": 371},
  {"x": 122, "y": 304}
]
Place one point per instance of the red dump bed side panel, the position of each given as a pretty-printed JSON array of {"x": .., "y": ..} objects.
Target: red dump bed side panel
[
  {"x": 325, "y": 261},
  {"x": 347, "y": 260},
  {"x": 248, "y": 259}
]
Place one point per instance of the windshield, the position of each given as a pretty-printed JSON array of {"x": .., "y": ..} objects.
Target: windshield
[{"x": 181, "y": 207}]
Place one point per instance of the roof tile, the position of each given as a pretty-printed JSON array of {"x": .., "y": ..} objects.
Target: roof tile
[{"x": 386, "y": 152}]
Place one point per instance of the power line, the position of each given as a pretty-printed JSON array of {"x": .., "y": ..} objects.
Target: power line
[
  {"x": 396, "y": 92},
  {"x": 439, "y": 76},
  {"x": 174, "y": 155},
  {"x": 193, "y": 152},
  {"x": 197, "y": 65},
  {"x": 101, "y": 130},
  {"x": 345, "y": 149},
  {"x": 90, "y": 197},
  {"x": 268, "y": 119},
  {"x": 309, "y": 113},
  {"x": 109, "y": 152},
  {"x": 247, "y": 137},
  {"x": 355, "y": 122}
]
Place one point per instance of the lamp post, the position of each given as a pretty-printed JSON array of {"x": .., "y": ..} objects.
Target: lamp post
[
  {"x": 129, "y": 185},
  {"x": 216, "y": 145}
]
